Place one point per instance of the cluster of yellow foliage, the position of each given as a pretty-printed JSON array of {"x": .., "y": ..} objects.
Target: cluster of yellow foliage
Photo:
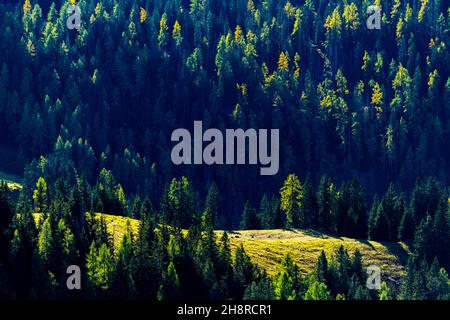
[
  {"x": 26, "y": 6},
  {"x": 399, "y": 28},
  {"x": 242, "y": 88},
  {"x": 297, "y": 66},
  {"x": 334, "y": 21},
  {"x": 377, "y": 95},
  {"x": 142, "y": 15},
  {"x": 251, "y": 6},
  {"x": 422, "y": 10},
  {"x": 283, "y": 62},
  {"x": 366, "y": 61},
  {"x": 176, "y": 32},
  {"x": 401, "y": 77},
  {"x": 290, "y": 10},
  {"x": 432, "y": 78},
  {"x": 351, "y": 16}
]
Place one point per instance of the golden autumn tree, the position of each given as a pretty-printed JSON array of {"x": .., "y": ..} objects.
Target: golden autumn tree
[
  {"x": 176, "y": 33},
  {"x": 26, "y": 6},
  {"x": 297, "y": 65},
  {"x": 163, "y": 30},
  {"x": 238, "y": 35},
  {"x": 142, "y": 15},
  {"x": 291, "y": 195},
  {"x": 283, "y": 62},
  {"x": 334, "y": 22},
  {"x": 377, "y": 95},
  {"x": 351, "y": 16},
  {"x": 423, "y": 8}
]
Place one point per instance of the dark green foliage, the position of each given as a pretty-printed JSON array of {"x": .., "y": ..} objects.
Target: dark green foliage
[
  {"x": 250, "y": 218},
  {"x": 425, "y": 282},
  {"x": 386, "y": 217},
  {"x": 261, "y": 290},
  {"x": 351, "y": 211},
  {"x": 267, "y": 214},
  {"x": 326, "y": 203}
]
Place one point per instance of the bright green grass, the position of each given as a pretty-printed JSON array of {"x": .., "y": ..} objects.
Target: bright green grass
[{"x": 267, "y": 248}]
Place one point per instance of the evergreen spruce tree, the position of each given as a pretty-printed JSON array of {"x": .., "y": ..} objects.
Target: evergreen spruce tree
[{"x": 250, "y": 219}]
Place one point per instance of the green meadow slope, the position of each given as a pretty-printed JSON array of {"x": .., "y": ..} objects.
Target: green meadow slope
[{"x": 267, "y": 248}]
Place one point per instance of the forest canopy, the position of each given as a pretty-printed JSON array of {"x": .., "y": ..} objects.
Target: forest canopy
[{"x": 87, "y": 114}]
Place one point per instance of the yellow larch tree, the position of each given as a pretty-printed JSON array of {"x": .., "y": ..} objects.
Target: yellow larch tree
[
  {"x": 377, "y": 95},
  {"x": 26, "y": 6},
  {"x": 334, "y": 22},
  {"x": 176, "y": 33},
  {"x": 238, "y": 35},
  {"x": 142, "y": 15},
  {"x": 283, "y": 62}
]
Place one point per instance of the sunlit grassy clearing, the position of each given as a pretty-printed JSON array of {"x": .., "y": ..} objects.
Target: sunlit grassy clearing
[{"x": 267, "y": 248}]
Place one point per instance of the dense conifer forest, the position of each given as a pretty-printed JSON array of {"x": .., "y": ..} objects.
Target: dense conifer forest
[{"x": 86, "y": 116}]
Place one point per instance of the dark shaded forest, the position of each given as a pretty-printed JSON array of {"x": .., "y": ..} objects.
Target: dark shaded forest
[{"x": 86, "y": 118}]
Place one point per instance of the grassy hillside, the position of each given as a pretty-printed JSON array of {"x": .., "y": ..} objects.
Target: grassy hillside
[
  {"x": 12, "y": 181},
  {"x": 268, "y": 247}
]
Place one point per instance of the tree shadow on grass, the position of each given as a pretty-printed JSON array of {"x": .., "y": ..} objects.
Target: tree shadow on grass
[{"x": 397, "y": 250}]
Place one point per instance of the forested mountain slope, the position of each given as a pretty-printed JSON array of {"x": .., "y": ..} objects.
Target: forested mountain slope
[{"x": 87, "y": 114}]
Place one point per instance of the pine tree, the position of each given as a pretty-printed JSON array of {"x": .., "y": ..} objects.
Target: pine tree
[
  {"x": 46, "y": 245},
  {"x": 423, "y": 244},
  {"x": 243, "y": 272},
  {"x": 317, "y": 291},
  {"x": 211, "y": 208},
  {"x": 284, "y": 287},
  {"x": 176, "y": 33},
  {"x": 40, "y": 196},
  {"x": 351, "y": 212},
  {"x": 386, "y": 218},
  {"x": 100, "y": 268},
  {"x": 309, "y": 205},
  {"x": 260, "y": 290},
  {"x": 163, "y": 31},
  {"x": 288, "y": 284},
  {"x": 291, "y": 196},
  {"x": 326, "y": 202},
  {"x": 22, "y": 247},
  {"x": 121, "y": 201},
  {"x": 170, "y": 287},
  {"x": 407, "y": 226},
  {"x": 146, "y": 262},
  {"x": 441, "y": 230},
  {"x": 266, "y": 214},
  {"x": 322, "y": 268},
  {"x": 6, "y": 217},
  {"x": 122, "y": 285}
]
